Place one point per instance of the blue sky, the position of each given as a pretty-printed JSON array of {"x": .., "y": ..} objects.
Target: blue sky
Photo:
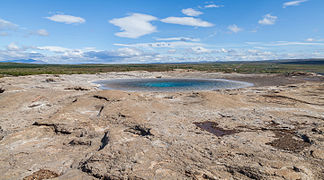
[{"x": 151, "y": 31}]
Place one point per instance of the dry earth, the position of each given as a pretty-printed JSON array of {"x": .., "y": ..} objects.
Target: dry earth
[{"x": 65, "y": 127}]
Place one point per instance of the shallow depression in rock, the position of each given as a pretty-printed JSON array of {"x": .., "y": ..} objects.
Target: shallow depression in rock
[{"x": 171, "y": 84}]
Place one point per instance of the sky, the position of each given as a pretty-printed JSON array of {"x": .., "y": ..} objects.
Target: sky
[{"x": 160, "y": 31}]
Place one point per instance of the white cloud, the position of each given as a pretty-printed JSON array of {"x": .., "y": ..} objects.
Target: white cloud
[
  {"x": 6, "y": 25},
  {"x": 191, "y": 12},
  {"x": 194, "y": 53},
  {"x": 314, "y": 40},
  {"x": 212, "y": 6},
  {"x": 13, "y": 47},
  {"x": 200, "y": 50},
  {"x": 310, "y": 39},
  {"x": 172, "y": 51},
  {"x": 61, "y": 55},
  {"x": 188, "y": 21},
  {"x": 135, "y": 25},
  {"x": 56, "y": 49},
  {"x": 178, "y": 39},
  {"x": 4, "y": 34},
  {"x": 174, "y": 44},
  {"x": 293, "y": 3},
  {"x": 268, "y": 19},
  {"x": 42, "y": 32},
  {"x": 234, "y": 28},
  {"x": 287, "y": 43},
  {"x": 67, "y": 19},
  {"x": 295, "y": 43}
]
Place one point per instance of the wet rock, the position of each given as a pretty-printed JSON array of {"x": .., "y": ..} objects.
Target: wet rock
[
  {"x": 77, "y": 89},
  {"x": 2, "y": 133},
  {"x": 213, "y": 128},
  {"x": 41, "y": 174},
  {"x": 318, "y": 130},
  {"x": 49, "y": 80},
  {"x": 95, "y": 166},
  {"x": 101, "y": 97},
  {"x": 34, "y": 105},
  {"x": 100, "y": 110},
  {"x": 80, "y": 142},
  {"x": 104, "y": 141},
  {"x": 140, "y": 130},
  {"x": 58, "y": 128}
]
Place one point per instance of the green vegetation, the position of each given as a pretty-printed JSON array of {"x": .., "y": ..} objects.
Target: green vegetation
[{"x": 17, "y": 69}]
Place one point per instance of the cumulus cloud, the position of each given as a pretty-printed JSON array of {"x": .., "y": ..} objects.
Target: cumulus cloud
[
  {"x": 42, "y": 32},
  {"x": 293, "y": 3},
  {"x": 56, "y": 49},
  {"x": 63, "y": 55},
  {"x": 310, "y": 42},
  {"x": 191, "y": 12},
  {"x": 212, "y": 6},
  {"x": 4, "y": 34},
  {"x": 314, "y": 40},
  {"x": 67, "y": 19},
  {"x": 135, "y": 25},
  {"x": 12, "y": 47},
  {"x": 187, "y": 21},
  {"x": 286, "y": 43},
  {"x": 122, "y": 55},
  {"x": 178, "y": 39},
  {"x": 199, "y": 50},
  {"x": 7, "y": 25},
  {"x": 234, "y": 28},
  {"x": 174, "y": 44},
  {"x": 116, "y": 54},
  {"x": 268, "y": 19}
]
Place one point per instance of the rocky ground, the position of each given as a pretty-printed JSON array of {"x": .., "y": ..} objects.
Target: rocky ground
[{"x": 65, "y": 127}]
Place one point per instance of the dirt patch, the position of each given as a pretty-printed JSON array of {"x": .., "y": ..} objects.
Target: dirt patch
[
  {"x": 213, "y": 128},
  {"x": 287, "y": 140},
  {"x": 41, "y": 174},
  {"x": 274, "y": 80}
]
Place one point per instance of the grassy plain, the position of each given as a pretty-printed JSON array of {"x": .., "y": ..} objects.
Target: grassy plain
[{"x": 19, "y": 69}]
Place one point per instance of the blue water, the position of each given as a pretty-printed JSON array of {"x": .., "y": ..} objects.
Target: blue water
[
  {"x": 171, "y": 84},
  {"x": 176, "y": 84}
]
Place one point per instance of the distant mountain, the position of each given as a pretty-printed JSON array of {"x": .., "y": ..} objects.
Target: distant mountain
[
  {"x": 29, "y": 61},
  {"x": 303, "y": 61}
]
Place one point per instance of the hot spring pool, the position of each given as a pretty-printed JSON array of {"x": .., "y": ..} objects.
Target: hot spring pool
[{"x": 171, "y": 84}]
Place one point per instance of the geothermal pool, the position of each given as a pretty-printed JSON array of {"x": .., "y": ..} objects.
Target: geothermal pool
[{"x": 171, "y": 85}]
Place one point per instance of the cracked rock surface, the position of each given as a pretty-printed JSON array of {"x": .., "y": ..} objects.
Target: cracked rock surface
[{"x": 65, "y": 127}]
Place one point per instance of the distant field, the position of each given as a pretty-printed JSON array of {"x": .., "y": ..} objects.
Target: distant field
[{"x": 17, "y": 69}]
